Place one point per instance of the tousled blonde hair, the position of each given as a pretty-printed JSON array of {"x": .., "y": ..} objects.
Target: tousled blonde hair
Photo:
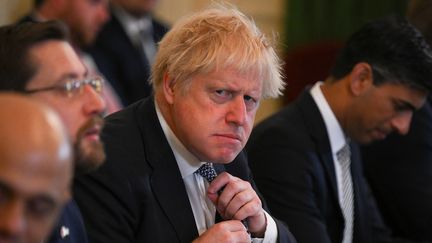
[{"x": 215, "y": 39}]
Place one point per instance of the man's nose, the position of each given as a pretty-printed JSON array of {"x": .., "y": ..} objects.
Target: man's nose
[
  {"x": 237, "y": 112},
  {"x": 401, "y": 123},
  {"x": 93, "y": 101},
  {"x": 103, "y": 14}
]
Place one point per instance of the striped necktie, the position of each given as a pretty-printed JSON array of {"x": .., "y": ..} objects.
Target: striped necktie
[{"x": 347, "y": 200}]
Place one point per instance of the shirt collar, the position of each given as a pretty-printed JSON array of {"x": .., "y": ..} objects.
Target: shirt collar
[
  {"x": 186, "y": 161},
  {"x": 334, "y": 130}
]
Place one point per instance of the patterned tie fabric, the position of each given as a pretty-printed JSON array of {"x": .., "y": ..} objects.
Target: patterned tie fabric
[
  {"x": 347, "y": 200},
  {"x": 207, "y": 171}
]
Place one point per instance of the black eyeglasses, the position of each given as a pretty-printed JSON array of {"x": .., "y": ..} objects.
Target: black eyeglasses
[{"x": 73, "y": 87}]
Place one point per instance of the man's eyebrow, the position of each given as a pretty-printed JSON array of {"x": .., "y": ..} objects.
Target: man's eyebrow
[
  {"x": 67, "y": 76},
  {"x": 405, "y": 104},
  {"x": 5, "y": 187},
  {"x": 45, "y": 198}
]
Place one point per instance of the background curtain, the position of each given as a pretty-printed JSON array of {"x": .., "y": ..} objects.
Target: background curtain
[
  {"x": 315, "y": 31},
  {"x": 315, "y": 20}
]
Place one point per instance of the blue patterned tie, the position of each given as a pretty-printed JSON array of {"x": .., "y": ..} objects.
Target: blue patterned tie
[{"x": 207, "y": 171}]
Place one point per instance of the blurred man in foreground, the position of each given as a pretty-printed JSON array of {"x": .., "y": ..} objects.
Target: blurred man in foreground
[
  {"x": 37, "y": 59},
  {"x": 35, "y": 169}
]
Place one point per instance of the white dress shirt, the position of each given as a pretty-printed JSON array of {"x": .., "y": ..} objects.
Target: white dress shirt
[
  {"x": 334, "y": 130},
  {"x": 337, "y": 141},
  {"x": 203, "y": 209}
]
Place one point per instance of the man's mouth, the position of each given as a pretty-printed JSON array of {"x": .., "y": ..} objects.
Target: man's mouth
[
  {"x": 91, "y": 129},
  {"x": 232, "y": 136},
  {"x": 380, "y": 134},
  {"x": 93, "y": 133}
]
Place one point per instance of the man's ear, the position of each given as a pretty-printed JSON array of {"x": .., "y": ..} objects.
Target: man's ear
[
  {"x": 168, "y": 85},
  {"x": 361, "y": 78}
]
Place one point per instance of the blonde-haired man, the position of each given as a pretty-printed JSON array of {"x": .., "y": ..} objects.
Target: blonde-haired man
[{"x": 210, "y": 73}]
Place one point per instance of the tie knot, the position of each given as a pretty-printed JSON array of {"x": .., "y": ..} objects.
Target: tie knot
[
  {"x": 144, "y": 25},
  {"x": 207, "y": 171}
]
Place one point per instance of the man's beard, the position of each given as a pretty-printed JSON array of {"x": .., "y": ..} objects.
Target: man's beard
[{"x": 89, "y": 155}]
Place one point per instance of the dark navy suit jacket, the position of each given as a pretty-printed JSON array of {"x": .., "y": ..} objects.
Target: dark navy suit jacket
[
  {"x": 70, "y": 227},
  {"x": 138, "y": 195},
  {"x": 399, "y": 171},
  {"x": 291, "y": 158}
]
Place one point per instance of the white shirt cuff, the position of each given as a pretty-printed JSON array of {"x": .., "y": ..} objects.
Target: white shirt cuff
[{"x": 271, "y": 234}]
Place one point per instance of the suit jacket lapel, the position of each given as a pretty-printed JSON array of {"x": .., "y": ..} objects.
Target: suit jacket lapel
[
  {"x": 166, "y": 180},
  {"x": 131, "y": 48},
  {"x": 318, "y": 132}
]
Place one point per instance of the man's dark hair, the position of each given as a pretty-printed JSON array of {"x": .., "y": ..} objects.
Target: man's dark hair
[
  {"x": 395, "y": 49},
  {"x": 16, "y": 66}
]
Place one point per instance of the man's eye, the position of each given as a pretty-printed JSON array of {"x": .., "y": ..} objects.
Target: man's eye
[
  {"x": 222, "y": 93},
  {"x": 399, "y": 107},
  {"x": 220, "y": 96},
  {"x": 250, "y": 102},
  {"x": 40, "y": 208}
]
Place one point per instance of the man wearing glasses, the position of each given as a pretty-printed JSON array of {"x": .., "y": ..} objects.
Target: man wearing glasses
[
  {"x": 84, "y": 19},
  {"x": 37, "y": 59}
]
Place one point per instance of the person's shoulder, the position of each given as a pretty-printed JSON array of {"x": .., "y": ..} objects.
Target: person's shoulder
[
  {"x": 124, "y": 123},
  {"x": 129, "y": 111},
  {"x": 286, "y": 123},
  {"x": 111, "y": 35},
  {"x": 112, "y": 25},
  {"x": 160, "y": 25},
  {"x": 25, "y": 19}
]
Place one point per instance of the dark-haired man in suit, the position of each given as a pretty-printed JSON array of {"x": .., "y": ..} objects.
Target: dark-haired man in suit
[
  {"x": 305, "y": 158},
  {"x": 399, "y": 168}
]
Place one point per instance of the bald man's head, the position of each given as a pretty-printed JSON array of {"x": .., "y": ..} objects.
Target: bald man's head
[{"x": 35, "y": 169}]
